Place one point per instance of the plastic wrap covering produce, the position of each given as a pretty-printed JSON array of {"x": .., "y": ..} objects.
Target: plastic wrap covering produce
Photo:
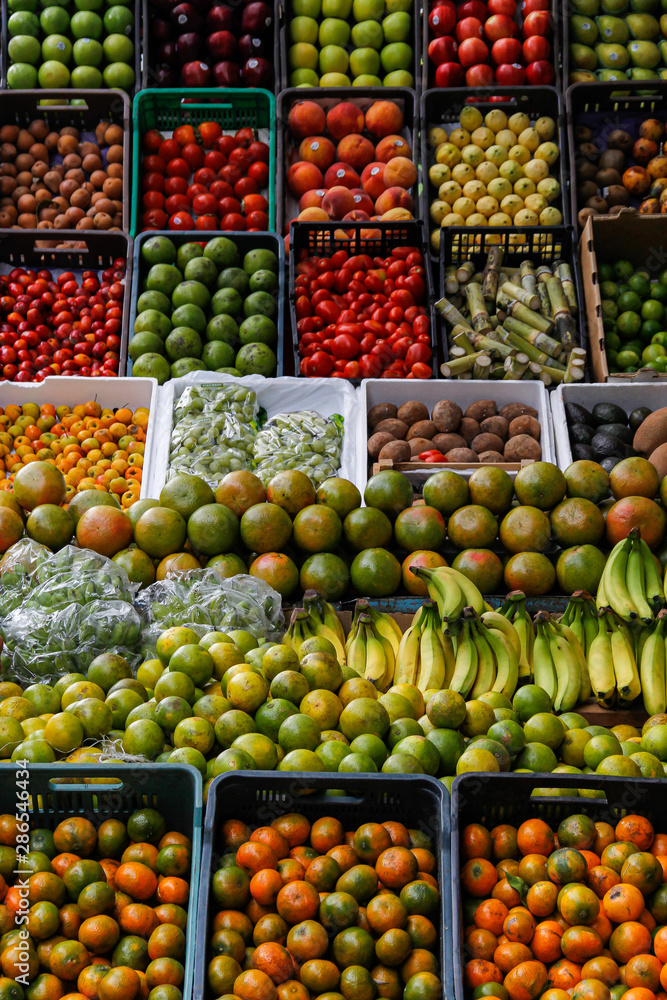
[
  {"x": 302, "y": 440},
  {"x": 44, "y": 645},
  {"x": 201, "y": 598},
  {"x": 214, "y": 431}
]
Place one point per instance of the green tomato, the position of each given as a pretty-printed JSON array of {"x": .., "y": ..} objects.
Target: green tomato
[
  {"x": 629, "y": 324},
  {"x": 660, "y": 338},
  {"x": 624, "y": 269}
]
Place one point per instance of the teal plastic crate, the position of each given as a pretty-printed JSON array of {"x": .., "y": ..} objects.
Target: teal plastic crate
[
  {"x": 165, "y": 110},
  {"x": 57, "y": 792}
]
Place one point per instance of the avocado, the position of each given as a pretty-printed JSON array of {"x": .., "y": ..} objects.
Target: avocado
[
  {"x": 638, "y": 416},
  {"x": 605, "y": 445},
  {"x": 583, "y": 451},
  {"x": 581, "y": 434},
  {"x": 609, "y": 462},
  {"x": 577, "y": 414},
  {"x": 621, "y": 431},
  {"x": 608, "y": 413}
]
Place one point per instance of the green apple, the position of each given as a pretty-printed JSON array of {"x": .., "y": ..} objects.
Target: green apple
[
  {"x": 24, "y": 49},
  {"x": 54, "y": 21},
  {"x": 303, "y": 56},
  {"x": 364, "y": 61},
  {"x": 333, "y": 59},
  {"x": 88, "y": 4},
  {"x": 119, "y": 48},
  {"x": 24, "y": 22},
  {"x": 398, "y": 78},
  {"x": 22, "y": 76},
  {"x": 118, "y": 76},
  {"x": 87, "y": 52},
  {"x": 57, "y": 48},
  {"x": 306, "y": 8},
  {"x": 86, "y": 24},
  {"x": 365, "y": 80},
  {"x": 13, "y": 5},
  {"x": 367, "y": 34},
  {"x": 303, "y": 29},
  {"x": 335, "y": 80},
  {"x": 336, "y": 8},
  {"x": 304, "y": 78},
  {"x": 368, "y": 10},
  {"x": 396, "y": 55},
  {"x": 119, "y": 20},
  {"x": 391, "y": 6},
  {"x": 53, "y": 75},
  {"x": 86, "y": 78},
  {"x": 334, "y": 31},
  {"x": 397, "y": 27}
]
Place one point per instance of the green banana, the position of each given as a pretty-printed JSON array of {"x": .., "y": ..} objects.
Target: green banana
[
  {"x": 567, "y": 671},
  {"x": 407, "y": 657},
  {"x": 628, "y": 685},
  {"x": 376, "y": 662},
  {"x": 485, "y": 677},
  {"x": 601, "y": 664},
  {"x": 323, "y": 613},
  {"x": 507, "y": 664},
  {"x": 636, "y": 582},
  {"x": 431, "y": 675},
  {"x": 652, "y": 578},
  {"x": 653, "y": 666},
  {"x": 543, "y": 664},
  {"x": 465, "y": 669},
  {"x": 515, "y": 610},
  {"x": 615, "y": 585},
  {"x": 570, "y": 637}
]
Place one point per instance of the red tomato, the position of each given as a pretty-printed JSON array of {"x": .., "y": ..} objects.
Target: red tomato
[
  {"x": 153, "y": 182},
  {"x": 210, "y": 132},
  {"x": 245, "y": 186},
  {"x": 352, "y": 369},
  {"x": 175, "y": 185},
  {"x": 258, "y": 221},
  {"x": 420, "y": 370},
  {"x": 184, "y": 134},
  {"x": 369, "y": 366},
  {"x": 182, "y": 220},
  {"x": 193, "y": 155},
  {"x": 538, "y": 22},
  {"x": 204, "y": 204},
  {"x": 153, "y": 199},
  {"x": 209, "y": 223},
  {"x": 259, "y": 171},
  {"x": 177, "y": 203},
  {"x": 205, "y": 176},
  {"x": 152, "y": 140},
  {"x": 320, "y": 365},
  {"x": 233, "y": 221},
  {"x": 345, "y": 346},
  {"x": 178, "y": 167}
]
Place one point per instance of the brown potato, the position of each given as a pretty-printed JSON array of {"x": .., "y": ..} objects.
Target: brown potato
[
  {"x": 495, "y": 425},
  {"x": 512, "y": 410},
  {"x": 481, "y": 409},
  {"x": 469, "y": 429},
  {"x": 522, "y": 446},
  {"x": 445, "y": 442},
  {"x": 376, "y": 443},
  {"x": 397, "y": 428},
  {"x": 381, "y": 411},
  {"x": 462, "y": 455},
  {"x": 397, "y": 451},
  {"x": 525, "y": 425},
  {"x": 422, "y": 429},
  {"x": 412, "y": 411},
  {"x": 487, "y": 442}
]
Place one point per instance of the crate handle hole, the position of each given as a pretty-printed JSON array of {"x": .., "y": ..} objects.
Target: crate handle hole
[{"x": 63, "y": 783}]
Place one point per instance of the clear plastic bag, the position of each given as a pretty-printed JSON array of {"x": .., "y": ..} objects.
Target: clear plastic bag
[
  {"x": 214, "y": 431},
  {"x": 302, "y": 440}
]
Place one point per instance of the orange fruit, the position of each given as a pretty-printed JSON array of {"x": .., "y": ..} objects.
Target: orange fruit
[
  {"x": 38, "y": 483},
  {"x": 104, "y": 529}
]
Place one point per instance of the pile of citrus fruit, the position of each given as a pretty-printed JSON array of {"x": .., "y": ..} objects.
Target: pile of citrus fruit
[
  {"x": 317, "y": 911},
  {"x": 107, "y": 909},
  {"x": 578, "y": 911},
  {"x": 94, "y": 448}
]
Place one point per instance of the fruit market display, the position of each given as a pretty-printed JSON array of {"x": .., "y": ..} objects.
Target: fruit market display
[
  {"x": 205, "y": 307},
  {"x": 577, "y": 906},
  {"x": 512, "y": 323},
  {"x": 62, "y": 180},
  {"x": 61, "y": 325},
  {"x": 328, "y": 925},
  {"x": 107, "y": 907},
  {"x": 359, "y": 316},
  {"x": 338, "y": 43},
  {"x": 56, "y": 45},
  {"x": 349, "y": 165},
  {"x": 606, "y": 434},
  {"x": 479, "y": 44},
  {"x": 611, "y": 41},
  {"x": 494, "y": 170},
  {"x": 207, "y": 180},
  {"x": 633, "y": 317},
  {"x": 480, "y": 434},
  {"x": 199, "y": 45}
]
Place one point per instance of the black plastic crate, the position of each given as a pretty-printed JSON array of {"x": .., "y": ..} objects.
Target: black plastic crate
[
  {"x": 286, "y": 16},
  {"x": 543, "y": 246},
  {"x": 443, "y": 107},
  {"x": 19, "y": 248},
  {"x": 491, "y": 799},
  {"x": 558, "y": 15},
  {"x": 245, "y": 242},
  {"x": 603, "y": 108},
  {"x": 258, "y": 797},
  {"x": 319, "y": 238},
  {"x": 114, "y": 790},
  {"x": 23, "y": 106},
  {"x": 148, "y": 75},
  {"x": 286, "y": 205}
]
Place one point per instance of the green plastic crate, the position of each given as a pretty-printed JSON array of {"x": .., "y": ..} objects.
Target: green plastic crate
[
  {"x": 165, "y": 110},
  {"x": 57, "y": 792}
]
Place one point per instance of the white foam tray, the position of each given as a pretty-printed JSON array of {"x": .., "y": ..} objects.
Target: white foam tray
[
  {"x": 108, "y": 392},
  {"x": 277, "y": 395},
  {"x": 464, "y": 392}
]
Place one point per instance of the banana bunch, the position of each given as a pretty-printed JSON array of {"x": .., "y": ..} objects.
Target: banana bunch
[
  {"x": 487, "y": 654},
  {"x": 325, "y": 618},
  {"x": 451, "y": 591},
  {"x": 612, "y": 664},
  {"x": 581, "y": 617},
  {"x": 514, "y": 610},
  {"x": 631, "y": 583},
  {"x": 372, "y": 645},
  {"x": 425, "y": 655},
  {"x": 652, "y": 661},
  {"x": 308, "y": 624},
  {"x": 559, "y": 663}
]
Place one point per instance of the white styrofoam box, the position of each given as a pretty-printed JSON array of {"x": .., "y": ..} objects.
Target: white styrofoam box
[
  {"x": 111, "y": 393},
  {"x": 463, "y": 392},
  {"x": 627, "y": 395},
  {"x": 277, "y": 395}
]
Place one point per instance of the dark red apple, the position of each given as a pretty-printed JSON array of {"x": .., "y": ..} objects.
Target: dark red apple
[
  {"x": 166, "y": 53},
  {"x": 442, "y": 19},
  {"x": 473, "y": 8},
  {"x": 540, "y": 73},
  {"x": 510, "y": 74},
  {"x": 188, "y": 47},
  {"x": 257, "y": 18},
  {"x": 257, "y": 73},
  {"x": 196, "y": 74},
  {"x": 442, "y": 50},
  {"x": 227, "y": 74},
  {"x": 160, "y": 30},
  {"x": 220, "y": 18},
  {"x": 249, "y": 46},
  {"x": 221, "y": 45},
  {"x": 186, "y": 17},
  {"x": 163, "y": 76},
  {"x": 449, "y": 75}
]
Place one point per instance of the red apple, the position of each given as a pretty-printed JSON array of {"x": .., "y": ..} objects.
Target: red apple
[
  {"x": 442, "y": 19},
  {"x": 164, "y": 76},
  {"x": 540, "y": 73},
  {"x": 442, "y": 50},
  {"x": 538, "y": 22},
  {"x": 186, "y": 17},
  {"x": 227, "y": 74},
  {"x": 473, "y": 51},
  {"x": 196, "y": 74},
  {"x": 449, "y": 75},
  {"x": 249, "y": 46},
  {"x": 257, "y": 73},
  {"x": 527, "y": 6},
  {"x": 480, "y": 75},
  {"x": 469, "y": 27},
  {"x": 472, "y": 8},
  {"x": 536, "y": 47},
  {"x": 220, "y": 18},
  {"x": 500, "y": 26},
  {"x": 257, "y": 18},
  {"x": 502, "y": 7},
  {"x": 221, "y": 45},
  {"x": 166, "y": 53},
  {"x": 160, "y": 30},
  {"x": 189, "y": 47},
  {"x": 506, "y": 50},
  {"x": 510, "y": 74}
]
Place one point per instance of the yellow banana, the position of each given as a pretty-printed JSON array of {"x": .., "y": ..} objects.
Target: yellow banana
[
  {"x": 636, "y": 583},
  {"x": 584, "y": 680},
  {"x": 388, "y": 627},
  {"x": 652, "y": 578},
  {"x": 567, "y": 671},
  {"x": 376, "y": 663},
  {"x": 498, "y": 622},
  {"x": 601, "y": 665},
  {"x": 628, "y": 685},
  {"x": 507, "y": 664},
  {"x": 543, "y": 664},
  {"x": 653, "y": 675},
  {"x": 615, "y": 585},
  {"x": 407, "y": 658},
  {"x": 486, "y": 663},
  {"x": 472, "y": 594},
  {"x": 465, "y": 669},
  {"x": 431, "y": 674}
]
